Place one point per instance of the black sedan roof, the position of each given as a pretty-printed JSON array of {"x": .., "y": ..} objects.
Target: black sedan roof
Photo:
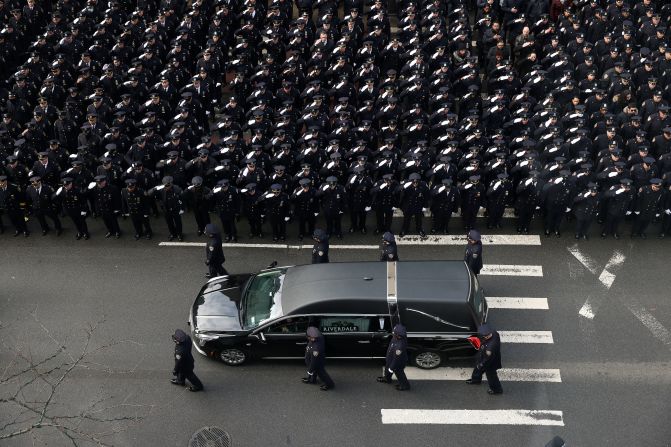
[{"x": 439, "y": 288}]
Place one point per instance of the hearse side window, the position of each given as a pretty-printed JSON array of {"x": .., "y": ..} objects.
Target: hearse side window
[
  {"x": 289, "y": 326},
  {"x": 343, "y": 325}
]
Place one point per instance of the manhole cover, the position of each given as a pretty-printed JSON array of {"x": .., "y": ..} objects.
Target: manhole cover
[{"x": 210, "y": 437}]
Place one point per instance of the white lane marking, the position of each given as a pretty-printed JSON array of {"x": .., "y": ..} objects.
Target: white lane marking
[
  {"x": 606, "y": 278},
  {"x": 586, "y": 310},
  {"x": 473, "y": 417},
  {"x": 644, "y": 316},
  {"x": 512, "y": 270},
  {"x": 544, "y": 337},
  {"x": 589, "y": 263},
  {"x": 506, "y": 302},
  {"x": 495, "y": 239},
  {"x": 505, "y": 374}
]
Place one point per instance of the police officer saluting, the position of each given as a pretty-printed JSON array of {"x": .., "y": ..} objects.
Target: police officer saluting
[
  {"x": 585, "y": 207},
  {"x": 489, "y": 360},
  {"x": 320, "y": 249},
  {"x": 315, "y": 358},
  {"x": 73, "y": 201},
  {"x": 134, "y": 204},
  {"x": 473, "y": 253},
  {"x": 389, "y": 250},
  {"x": 397, "y": 359},
  {"x": 171, "y": 198},
  {"x": 648, "y": 201},
  {"x": 107, "y": 204}
]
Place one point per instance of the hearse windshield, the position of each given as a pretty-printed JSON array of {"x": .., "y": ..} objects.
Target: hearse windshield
[{"x": 262, "y": 301}]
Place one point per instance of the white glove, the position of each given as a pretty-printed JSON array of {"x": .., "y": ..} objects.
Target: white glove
[
  {"x": 627, "y": 213},
  {"x": 316, "y": 214},
  {"x": 468, "y": 186},
  {"x": 619, "y": 191},
  {"x": 83, "y": 213},
  {"x": 368, "y": 208},
  {"x": 340, "y": 212},
  {"x": 181, "y": 211},
  {"x": 92, "y": 185},
  {"x": 538, "y": 207},
  {"x": 667, "y": 212},
  {"x": 286, "y": 219},
  {"x": 424, "y": 210},
  {"x": 568, "y": 210},
  {"x": 390, "y": 371},
  {"x": 637, "y": 212},
  {"x": 60, "y": 190},
  {"x": 159, "y": 187},
  {"x": 217, "y": 189},
  {"x": 657, "y": 215},
  {"x": 393, "y": 208}
]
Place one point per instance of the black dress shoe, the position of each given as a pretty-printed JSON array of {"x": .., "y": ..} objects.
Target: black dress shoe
[
  {"x": 108, "y": 235},
  {"x": 383, "y": 379},
  {"x": 282, "y": 238},
  {"x": 363, "y": 231},
  {"x": 171, "y": 237},
  {"x": 194, "y": 389},
  {"x": 200, "y": 233},
  {"x": 547, "y": 233},
  {"x": 519, "y": 230},
  {"x": 177, "y": 382},
  {"x": 147, "y": 236},
  {"x": 79, "y": 236},
  {"x": 137, "y": 237},
  {"x": 422, "y": 234},
  {"x": 526, "y": 231},
  {"x": 351, "y": 230},
  {"x": 616, "y": 236},
  {"x": 117, "y": 235},
  {"x": 228, "y": 239},
  {"x": 577, "y": 236},
  {"x": 87, "y": 237},
  {"x": 661, "y": 236},
  {"x": 603, "y": 235},
  {"x": 644, "y": 236},
  {"x": 306, "y": 380},
  {"x": 16, "y": 233},
  {"x": 339, "y": 236},
  {"x": 325, "y": 387},
  {"x": 234, "y": 239},
  {"x": 586, "y": 237},
  {"x": 401, "y": 234},
  {"x": 44, "y": 232},
  {"x": 491, "y": 391},
  {"x": 59, "y": 232},
  {"x": 557, "y": 233},
  {"x": 26, "y": 233},
  {"x": 180, "y": 237},
  {"x": 275, "y": 239},
  {"x": 471, "y": 382},
  {"x": 402, "y": 388}
]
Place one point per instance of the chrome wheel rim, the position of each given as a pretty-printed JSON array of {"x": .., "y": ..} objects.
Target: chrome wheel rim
[
  {"x": 427, "y": 359},
  {"x": 232, "y": 356}
]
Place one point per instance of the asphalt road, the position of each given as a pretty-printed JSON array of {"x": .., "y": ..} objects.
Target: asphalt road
[{"x": 615, "y": 378}]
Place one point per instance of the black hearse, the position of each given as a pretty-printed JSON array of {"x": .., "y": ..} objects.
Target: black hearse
[{"x": 355, "y": 304}]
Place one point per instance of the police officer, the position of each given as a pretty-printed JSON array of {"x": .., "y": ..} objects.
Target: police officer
[
  {"x": 252, "y": 209},
  {"x": 444, "y": 202},
  {"x": 619, "y": 202},
  {"x": 556, "y": 200},
  {"x": 384, "y": 200},
  {"x": 184, "y": 362},
  {"x": 197, "y": 197},
  {"x": 107, "y": 204},
  {"x": 134, "y": 203},
  {"x": 397, "y": 358},
  {"x": 489, "y": 360},
  {"x": 306, "y": 207},
  {"x": 647, "y": 207},
  {"x": 333, "y": 204},
  {"x": 74, "y": 203},
  {"x": 497, "y": 197},
  {"x": 214, "y": 253},
  {"x": 472, "y": 198},
  {"x": 473, "y": 252},
  {"x": 389, "y": 250},
  {"x": 227, "y": 204},
  {"x": 315, "y": 358},
  {"x": 276, "y": 204},
  {"x": 528, "y": 198},
  {"x": 170, "y": 196},
  {"x": 40, "y": 195},
  {"x": 585, "y": 207},
  {"x": 320, "y": 249},
  {"x": 358, "y": 187},
  {"x": 10, "y": 203},
  {"x": 414, "y": 199}
]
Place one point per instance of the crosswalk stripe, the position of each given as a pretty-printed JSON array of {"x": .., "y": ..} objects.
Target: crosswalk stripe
[
  {"x": 473, "y": 417},
  {"x": 410, "y": 240},
  {"x": 507, "y": 302},
  {"x": 506, "y": 374},
  {"x": 535, "y": 337},
  {"x": 512, "y": 270}
]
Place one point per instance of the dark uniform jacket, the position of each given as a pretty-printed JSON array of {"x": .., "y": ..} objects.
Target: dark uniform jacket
[
  {"x": 314, "y": 354},
  {"x": 171, "y": 199},
  {"x": 305, "y": 202},
  {"x": 619, "y": 201},
  {"x": 389, "y": 252},
  {"x": 73, "y": 200},
  {"x": 214, "y": 253},
  {"x": 107, "y": 199},
  {"x": 134, "y": 202},
  {"x": 648, "y": 202},
  {"x": 397, "y": 354},
  {"x": 414, "y": 199},
  {"x": 320, "y": 252},
  {"x": 40, "y": 201},
  {"x": 333, "y": 199},
  {"x": 585, "y": 206},
  {"x": 183, "y": 357},
  {"x": 10, "y": 198},
  {"x": 473, "y": 257},
  {"x": 489, "y": 355}
]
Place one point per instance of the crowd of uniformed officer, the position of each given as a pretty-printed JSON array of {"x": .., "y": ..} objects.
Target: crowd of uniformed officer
[{"x": 258, "y": 109}]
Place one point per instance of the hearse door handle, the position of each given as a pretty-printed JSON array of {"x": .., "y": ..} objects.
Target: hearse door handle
[
  {"x": 301, "y": 343},
  {"x": 363, "y": 341}
]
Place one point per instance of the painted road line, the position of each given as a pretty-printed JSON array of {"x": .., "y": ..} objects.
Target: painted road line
[
  {"x": 493, "y": 239},
  {"x": 657, "y": 329},
  {"x": 607, "y": 277},
  {"x": 509, "y": 302},
  {"x": 589, "y": 263},
  {"x": 543, "y": 337},
  {"x": 512, "y": 270},
  {"x": 505, "y": 374},
  {"x": 473, "y": 417}
]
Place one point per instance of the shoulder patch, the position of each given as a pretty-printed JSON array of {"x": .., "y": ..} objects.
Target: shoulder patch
[
  {"x": 315, "y": 353},
  {"x": 398, "y": 352},
  {"x": 321, "y": 253},
  {"x": 177, "y": 356},
  {"x": 211, "y": 248}
]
